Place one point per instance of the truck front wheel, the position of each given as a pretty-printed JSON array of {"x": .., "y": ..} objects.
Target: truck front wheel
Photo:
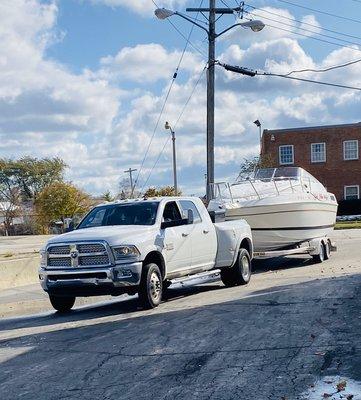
[
  {"x": 62, "y": 304},
  {"x": 240, "y": 273},
  {"x": 151, "y": 286}
]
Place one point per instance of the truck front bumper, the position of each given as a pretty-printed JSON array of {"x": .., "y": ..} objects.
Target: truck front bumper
[{"x": 113, "y": 280}]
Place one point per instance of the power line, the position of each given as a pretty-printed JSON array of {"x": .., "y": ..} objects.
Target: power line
[
  {"x": 310, "y": 37},
  {"x": 325, "y": 69},
  {"x": 168, "y": 93},
  {"x": 248, "y": 72},
  {"x": 310, "y": 81},
  {"x": 321, "y": 12},
  {"x": 304, "y": 23},
  {"x": 176, "y": 123},
  {"x": 304, "y": 29},
  {"x": 183, "y": 35}
]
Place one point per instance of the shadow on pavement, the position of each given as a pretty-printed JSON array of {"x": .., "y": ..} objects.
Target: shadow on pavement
[{"x": 240, "y": 349}]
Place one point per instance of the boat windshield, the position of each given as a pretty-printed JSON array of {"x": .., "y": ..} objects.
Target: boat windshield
[{"x": 269, "y": 174}]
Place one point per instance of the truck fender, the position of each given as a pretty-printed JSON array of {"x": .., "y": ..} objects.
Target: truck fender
[
  {"x": 156, "y": 257},
  {"x": 245, "y": 243}
]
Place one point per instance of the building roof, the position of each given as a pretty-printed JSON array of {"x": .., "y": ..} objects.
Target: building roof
[{"x": 310, "y": 128}]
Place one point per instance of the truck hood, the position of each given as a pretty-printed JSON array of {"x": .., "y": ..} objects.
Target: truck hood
[{"x": 114, "y": 235}]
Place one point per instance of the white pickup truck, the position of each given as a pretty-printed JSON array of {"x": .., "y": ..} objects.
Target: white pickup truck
[{"x": 140, "y": 246}]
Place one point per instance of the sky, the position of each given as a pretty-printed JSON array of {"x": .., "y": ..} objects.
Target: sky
[{"x": 86, "y": 80}]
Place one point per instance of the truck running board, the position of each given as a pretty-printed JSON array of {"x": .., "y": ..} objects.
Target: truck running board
[{"x": 188, "y": 278}]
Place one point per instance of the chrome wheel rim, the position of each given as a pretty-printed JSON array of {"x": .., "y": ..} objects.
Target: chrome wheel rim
[
  {"x": 322, "y": 252},
  {"x": 155, "y": 286},
  {"x": 245, "y": 267}
]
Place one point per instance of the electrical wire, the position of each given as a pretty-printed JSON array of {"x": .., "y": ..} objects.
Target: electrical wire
[
  {"x": 325, "y": 69},
  {"x": 252, "y": 73},
  {"x": 165, "y": 101},
  {"x": 309, "y": 37},
  {"x": 321, "y": 12},
  {"x": 182, "y": 34},
  {"x": 168, "y": 92},
  {"x": 175, "y": 125},
  {"x": 309, "y": 80},
  {"x": 305, "y": 30},
  {"x": 304, "y": 23}
]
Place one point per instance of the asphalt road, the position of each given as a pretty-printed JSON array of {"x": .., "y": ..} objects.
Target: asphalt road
[{"x": 293, "y": 333}]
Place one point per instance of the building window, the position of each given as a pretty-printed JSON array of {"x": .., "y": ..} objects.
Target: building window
[
  {"x": 286, "y": 154},
  {"x": 318, "y": 152},
  {"x": 350, "y": 150},
  {"x": 352, "y": 192}
]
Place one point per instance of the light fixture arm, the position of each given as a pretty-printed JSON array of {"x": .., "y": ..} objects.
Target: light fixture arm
[
  {"x": 191, "y": 21},
  {"x": 228, "y": 29}
]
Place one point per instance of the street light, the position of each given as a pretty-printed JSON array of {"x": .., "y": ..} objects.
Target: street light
[
  {"x": 175, "y": 184},
  {"x": 259, "y": 125},
  {"x": 256, "y": 26},
  {"x": 163, "y": 13}
]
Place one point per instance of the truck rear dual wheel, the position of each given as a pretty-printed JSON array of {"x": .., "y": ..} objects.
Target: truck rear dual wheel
[
  {"x": 62, "y": 304},
  {"x": 240, "y": 273},
  {"x": 325, "y": 252},
  {"x": 151, "y": 286}
]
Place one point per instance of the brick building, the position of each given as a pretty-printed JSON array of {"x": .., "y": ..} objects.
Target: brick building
[{"x": 330, "y": 153}]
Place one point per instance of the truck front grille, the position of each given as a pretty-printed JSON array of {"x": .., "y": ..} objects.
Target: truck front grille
[{"x": 78, "y": 255}]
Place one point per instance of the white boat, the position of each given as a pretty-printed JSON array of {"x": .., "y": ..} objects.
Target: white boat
[{"x": 284, "y": 206}]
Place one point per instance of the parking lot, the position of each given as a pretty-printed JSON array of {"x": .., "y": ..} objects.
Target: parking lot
[{"x": 293, "y": 333}]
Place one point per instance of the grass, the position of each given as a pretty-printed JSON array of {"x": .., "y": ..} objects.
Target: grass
[{"x": 348, "y": 225}]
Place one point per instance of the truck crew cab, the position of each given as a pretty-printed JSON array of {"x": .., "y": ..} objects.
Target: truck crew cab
[{"x": 139, "y": 246}]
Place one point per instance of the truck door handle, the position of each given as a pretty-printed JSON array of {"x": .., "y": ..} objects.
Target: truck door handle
[
  {"x": 205, "y": 231},
  {"x": 185, "y": 234}
]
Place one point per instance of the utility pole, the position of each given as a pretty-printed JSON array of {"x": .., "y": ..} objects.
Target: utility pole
[
  {"x": 255, "y": 25},
  {"x": 175, "y": 183},
  {"x": 130, "y": 172}
]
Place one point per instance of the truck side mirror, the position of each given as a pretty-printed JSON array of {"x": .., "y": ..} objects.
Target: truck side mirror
[
  {"x": 190, "y": 217},
  {"x": 70, "y": 226}
]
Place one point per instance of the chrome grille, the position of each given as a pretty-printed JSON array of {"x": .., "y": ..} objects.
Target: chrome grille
[
  {"x": 93, "y": 260},
  {"x": 59, "y": 262},
  {"x": 78, "y": 255},
  {"x": 59, "y": 250},
  {"x": 90, "y": 248}
]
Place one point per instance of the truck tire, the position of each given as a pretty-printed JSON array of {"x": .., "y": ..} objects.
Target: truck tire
[
  {"x": 62, "y": 304},
  {"x": 327, "y": 249},
  {"x": 319, "y": 258},
  {"x": 240, "y": 273},
  {"x": 151, "y": 286}
]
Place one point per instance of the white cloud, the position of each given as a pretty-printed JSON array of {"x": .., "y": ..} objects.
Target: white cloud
[
  {"x": 145, "y": 63},
  {"x": 46, "y": 110}
]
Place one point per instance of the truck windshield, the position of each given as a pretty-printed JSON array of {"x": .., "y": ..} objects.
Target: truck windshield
[{"x": 142, "y": 213}]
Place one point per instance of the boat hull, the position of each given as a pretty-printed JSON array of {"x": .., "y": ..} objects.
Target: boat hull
[{"x": 284, "y": 224}]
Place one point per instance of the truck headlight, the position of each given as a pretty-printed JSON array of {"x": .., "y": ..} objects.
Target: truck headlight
[
  {"x": 43, "y": 258},
  {"x": 125, "y": 252}
]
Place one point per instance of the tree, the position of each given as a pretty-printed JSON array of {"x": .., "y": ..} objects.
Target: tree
[
  {"x": 59, "y": 201},
  {"x": 250, "y": 165},
  {"x": 125, "y": 191},
  {"x": 10, "y": 198},
  {"x": 161, "y": 192},
  {"x": 32, "y": 175},
  {"x": 107, "y": 196}
]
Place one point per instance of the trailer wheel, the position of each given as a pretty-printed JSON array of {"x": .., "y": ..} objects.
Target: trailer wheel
[
  {"x": 327, "y": 249},
  {"x": 62, "y": 304},
  {"x": 151, "y": 286},
  {"x": 319, "y": 258},
  {"x": 240, "y": 273}
]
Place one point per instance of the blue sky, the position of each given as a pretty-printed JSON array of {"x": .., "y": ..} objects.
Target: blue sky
[{"x": 85, "y": 80}]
